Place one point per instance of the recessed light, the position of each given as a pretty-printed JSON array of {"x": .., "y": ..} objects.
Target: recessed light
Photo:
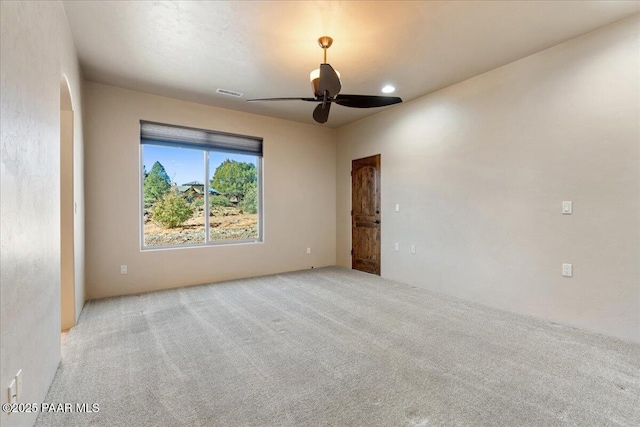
[{"x": 388, "y": 89}]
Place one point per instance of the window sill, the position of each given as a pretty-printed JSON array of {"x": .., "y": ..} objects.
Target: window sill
[{"x": 201, "y": 245}]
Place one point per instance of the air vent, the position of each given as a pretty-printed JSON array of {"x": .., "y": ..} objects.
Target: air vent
[{"x": 229, "y": 92}]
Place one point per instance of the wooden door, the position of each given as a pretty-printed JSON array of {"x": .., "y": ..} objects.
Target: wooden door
[{"x": 365, "y": 214}]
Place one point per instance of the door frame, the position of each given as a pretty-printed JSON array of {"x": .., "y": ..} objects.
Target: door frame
[{"x": 67, "y": 209}]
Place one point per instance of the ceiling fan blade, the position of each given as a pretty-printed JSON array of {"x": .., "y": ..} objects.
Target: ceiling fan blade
[
  {"x": 283, "y": 99},
  {"x": 321, "y": 113},
  {"x": 366, "y": 101},
  {"x": 329, "y": 81}
]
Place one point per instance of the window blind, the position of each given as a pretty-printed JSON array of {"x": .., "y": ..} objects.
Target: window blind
[{"x": 178, "y": 136}]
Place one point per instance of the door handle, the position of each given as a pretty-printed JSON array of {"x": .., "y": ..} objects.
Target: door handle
[{"x": 377, "y": 221}]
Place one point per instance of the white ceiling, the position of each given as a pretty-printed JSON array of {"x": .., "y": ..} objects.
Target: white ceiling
[{"x": 187, "y": 50}]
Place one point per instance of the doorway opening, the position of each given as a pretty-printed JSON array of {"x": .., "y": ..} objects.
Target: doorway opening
[
  {"x": 67, "y": 268},
  {"x": 365, "y": 214}
]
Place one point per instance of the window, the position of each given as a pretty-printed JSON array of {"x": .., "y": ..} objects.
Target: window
[{"x": 199, "y": 187}]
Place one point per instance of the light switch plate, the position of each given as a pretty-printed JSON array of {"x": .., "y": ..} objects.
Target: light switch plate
[
  {"x": 397, "y": 207},
  {"x": 397, "y": 247},
  {"x": 19, "y": 384},
  {"x": 413, "y": 249},
  {"x": 308, "y": 251},
  {"x": 11, "y": 392},
  {"x": 123, "y": 269},
  {"x": 567, "y": 208},
  {"x": 567, "y": 270}
]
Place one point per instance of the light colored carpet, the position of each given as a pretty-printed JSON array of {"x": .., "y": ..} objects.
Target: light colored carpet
[{"x": 335, "y": 347}]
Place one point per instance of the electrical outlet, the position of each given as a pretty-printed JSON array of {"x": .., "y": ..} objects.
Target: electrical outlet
[
  {"x": 397, "y": 247},
  {"x": 308, "y": 251},
  {"x": 19, "y": 384},
  {"x": 567, "y": 270},
  {"x": 123, "y": 269},
  {"x": 413, "y": 249}
]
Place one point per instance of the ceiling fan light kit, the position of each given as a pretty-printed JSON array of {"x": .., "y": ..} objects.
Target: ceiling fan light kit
[
  {"x": 314, "y": 77},
  {"x": 326, "y": 86}
]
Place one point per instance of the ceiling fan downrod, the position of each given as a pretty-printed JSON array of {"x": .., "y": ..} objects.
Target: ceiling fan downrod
[{"x": 325, "y": 43}]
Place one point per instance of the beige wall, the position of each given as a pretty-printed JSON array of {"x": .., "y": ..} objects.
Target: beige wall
[
  {"x": 480, "y": 170},
  {"x": 299, "y": 196},
  {"x": 36, "y": 50}
]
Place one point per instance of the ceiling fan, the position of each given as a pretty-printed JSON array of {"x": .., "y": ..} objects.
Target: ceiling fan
[{"x": 326, "y": 85}]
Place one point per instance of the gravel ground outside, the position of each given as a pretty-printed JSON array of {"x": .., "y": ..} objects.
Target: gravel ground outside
[{"x": 225, "y": 224}]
